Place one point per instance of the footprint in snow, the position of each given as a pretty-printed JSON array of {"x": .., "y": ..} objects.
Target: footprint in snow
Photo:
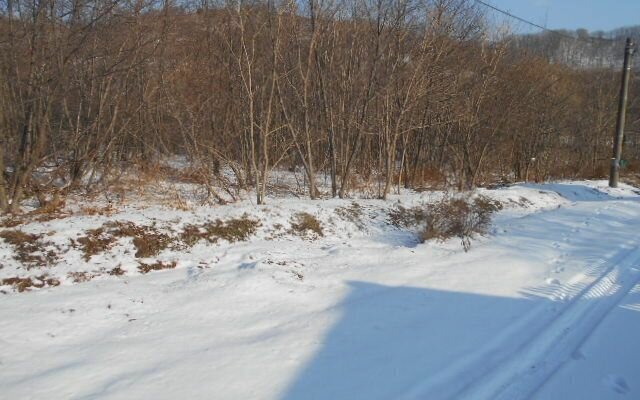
[
  {"x": 616, "y": 383},
  {"x": 559, "y": 297},
  {"x": 578, "y": 355}
]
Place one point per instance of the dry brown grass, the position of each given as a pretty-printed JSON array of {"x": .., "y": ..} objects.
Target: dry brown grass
[
  {"x": 157, "y": 266},
  {"x": 22, "y": 284},
  {"x": 96, "y": 241},
  {"x": 107, "y": 210},
  {"x": 631, "y": 175},
  {"x": 29, "y": 249},
  {"x": 117, "y": 271},
  {"x": 51, "y": 209},
  {"x": 147, "y": 240},
  {"x": 11, "y": 221},
  {"x": 79, "y": 277},
  {"x": 304, "y": 224},
  {"x": 193, "y": 175},
  {"x": 232, "y": 230},
  {"x": 427, "y": 178},
  {"x": 150, "y": 244},
  {"x": 176, "y": 202},
  {"x": 353, "y": 213}
]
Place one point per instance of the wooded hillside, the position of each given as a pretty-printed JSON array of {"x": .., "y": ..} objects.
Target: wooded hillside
[{"x": 416, "y": 93}]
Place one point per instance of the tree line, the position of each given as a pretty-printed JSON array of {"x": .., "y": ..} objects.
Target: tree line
[{"x": 385, "y": 93}]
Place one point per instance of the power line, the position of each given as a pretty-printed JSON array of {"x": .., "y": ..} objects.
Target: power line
[{"x": 508, "y": 14}]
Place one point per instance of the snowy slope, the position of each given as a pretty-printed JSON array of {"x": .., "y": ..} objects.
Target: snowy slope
[{"x": 545, "y": 307}]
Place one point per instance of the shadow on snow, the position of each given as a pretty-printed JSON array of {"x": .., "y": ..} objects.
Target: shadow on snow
[{"x": 405, "y": 342}]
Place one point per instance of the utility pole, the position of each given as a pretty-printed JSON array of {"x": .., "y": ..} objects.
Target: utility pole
[{"x": 622, "y": 114}]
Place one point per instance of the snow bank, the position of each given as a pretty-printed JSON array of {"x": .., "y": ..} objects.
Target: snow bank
[{"x": 548, "y": 299}]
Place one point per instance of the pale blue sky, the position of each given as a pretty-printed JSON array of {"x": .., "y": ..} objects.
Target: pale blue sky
[{"x": 572, "y": 14}]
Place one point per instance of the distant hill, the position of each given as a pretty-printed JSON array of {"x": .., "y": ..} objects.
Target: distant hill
[{"x": 588, "y": 50}]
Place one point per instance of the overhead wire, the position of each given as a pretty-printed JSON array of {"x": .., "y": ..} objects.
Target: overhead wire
[{"x": 531, "y": 23}]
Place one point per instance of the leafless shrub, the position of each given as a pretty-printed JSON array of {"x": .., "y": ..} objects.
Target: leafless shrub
[
  {"x": 403, "y": 217},
  {"x": 459, "y": 217}
]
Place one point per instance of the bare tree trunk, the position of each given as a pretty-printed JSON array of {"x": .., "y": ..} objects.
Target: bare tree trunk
[
  {"x": 32, "y": 140},
  {"x": 4, "y": 200},
  {"x": 328, "y": 113}
]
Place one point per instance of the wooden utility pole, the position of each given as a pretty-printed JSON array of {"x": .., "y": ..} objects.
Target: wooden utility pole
[{"x": 622, "y": 114}]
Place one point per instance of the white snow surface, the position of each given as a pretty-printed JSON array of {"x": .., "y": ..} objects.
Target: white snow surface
[{"x": 546, "y": 306}]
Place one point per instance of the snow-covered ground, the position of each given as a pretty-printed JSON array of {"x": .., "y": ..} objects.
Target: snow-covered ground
[{"x": 546, "y": 307}]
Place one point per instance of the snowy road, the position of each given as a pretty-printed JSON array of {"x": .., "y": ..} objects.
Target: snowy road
[{"x": 547, "y": 307}]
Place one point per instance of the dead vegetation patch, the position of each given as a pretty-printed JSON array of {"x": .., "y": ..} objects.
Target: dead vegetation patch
[
  {"x": 39, "y": 215},
  {"x": 45, "y": 217},
  {"x": 304, "y": 224},
  {"x": 96, "y": 241},
  {"x": 117, "y": 271},
  {"x": 232, "y": 230},
  {"x": 157, "y": 266},
  {"x": 150, "y": 244},
  {"x": 22, "y": 284},
  {"x": 81, "y": 276},
  {"x": 427, "y": 178},
  {"x": 353, "y": 213},
  {"x": 11, "y": 222},
  {"x": 107, "y": 210},
  {"x": 30, "y": 250},
  {"x": 522, "y": 202},
  {"x": 194, "y": 175},
  {"x": 147, "y": 240}
]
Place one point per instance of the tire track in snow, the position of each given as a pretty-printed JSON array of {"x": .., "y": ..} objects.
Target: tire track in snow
[
  {"x": 521, "y": 358},
  {"x": 525, "y": 371}
]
